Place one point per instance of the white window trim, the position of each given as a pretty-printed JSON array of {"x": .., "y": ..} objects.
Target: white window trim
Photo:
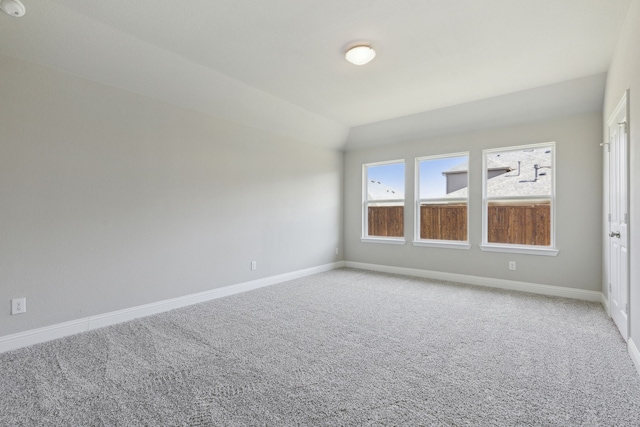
[
  {"x": 384, "y": 240},
  {"x": 365, "y": 238},
  {"x": 519, "y": 249},
  {"x": 550, "y": 250},
  {"x": 446, "y": 244},
  {"x": 429, "y": 243}
]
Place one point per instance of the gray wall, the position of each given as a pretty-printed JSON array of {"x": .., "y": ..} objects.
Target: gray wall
[
  {"x": 624, "y": 74},
  {"x": 110, "y": 200},
  {"x": 578, "y": 209}
]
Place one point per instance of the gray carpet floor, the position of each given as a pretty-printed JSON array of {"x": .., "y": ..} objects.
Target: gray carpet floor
[{"x": 341, "y": 348}]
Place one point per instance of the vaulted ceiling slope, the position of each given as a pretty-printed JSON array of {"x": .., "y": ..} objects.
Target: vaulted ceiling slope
[{"x": 278, "y": 65}]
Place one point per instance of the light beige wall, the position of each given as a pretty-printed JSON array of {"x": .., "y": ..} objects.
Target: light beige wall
[
  {"x": 110, "y": 200},
  {"x": 624, "y": 74},
  {"x": 578, "y": 191}
]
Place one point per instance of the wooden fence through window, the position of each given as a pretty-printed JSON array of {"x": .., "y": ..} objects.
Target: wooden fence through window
[
  {"x": 517, "y": 223},
  {"x": 443, "y": 222},
  {"x": 386, "y": 221},
  {"x": 520, "y": 224}
]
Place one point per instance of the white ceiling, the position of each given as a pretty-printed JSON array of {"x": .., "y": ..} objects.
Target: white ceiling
[{"x": 278, "y": 65}]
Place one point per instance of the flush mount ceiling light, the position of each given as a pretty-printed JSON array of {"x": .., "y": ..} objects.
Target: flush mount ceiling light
[
  {"x": 360, "y": 55},
  {"x": 13, "y": 8}
]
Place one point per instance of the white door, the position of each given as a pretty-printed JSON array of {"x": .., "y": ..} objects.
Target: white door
[{"x": 619, "y": 218}]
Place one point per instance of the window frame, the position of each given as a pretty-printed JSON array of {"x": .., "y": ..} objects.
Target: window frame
[
  {"x": 550, "y": 250},
  {"x": 365, "y": 238},
  {"x": 434, "y": 243}
]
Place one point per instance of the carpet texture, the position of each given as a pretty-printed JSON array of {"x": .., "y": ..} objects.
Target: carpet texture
[{"x": 341, "y": 348}]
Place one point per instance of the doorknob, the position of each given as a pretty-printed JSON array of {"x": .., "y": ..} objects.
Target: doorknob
[{"x": 616, "y": 234}]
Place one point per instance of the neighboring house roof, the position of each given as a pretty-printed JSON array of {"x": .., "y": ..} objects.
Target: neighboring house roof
[
  {"x": 519, "y": 180},
  {"x": 376, "y": 190}
]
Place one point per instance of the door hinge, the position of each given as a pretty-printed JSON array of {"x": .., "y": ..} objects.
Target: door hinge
[
  {"x": 609, "y": 216},
  {"x": 626, "y": 308},
  {"x": 624, "y": 125},
  {"x": 626, "y": 218},
  {"x": 609, "y": 287}
]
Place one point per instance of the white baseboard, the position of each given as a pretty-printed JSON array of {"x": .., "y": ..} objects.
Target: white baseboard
[
  {"x": 605, "y": 304},
  {"x": 634, "y": 353},
  {"x": 47, "y": 333},
  {"x": 513, "y": 285}
]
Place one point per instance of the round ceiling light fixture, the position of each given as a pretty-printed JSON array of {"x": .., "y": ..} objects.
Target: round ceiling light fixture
[
  {"x": 360, "y": 55},
  {"x": 13, "y": 8}
]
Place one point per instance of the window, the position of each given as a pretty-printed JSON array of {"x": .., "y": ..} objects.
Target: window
[
  {"x": 442, "y": 189},
  {"x": 518, "y": 199},
  {"x": 383, "y": 202}
]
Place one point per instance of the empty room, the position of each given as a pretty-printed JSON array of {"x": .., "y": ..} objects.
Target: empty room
[{"x": 294, "y": 212}]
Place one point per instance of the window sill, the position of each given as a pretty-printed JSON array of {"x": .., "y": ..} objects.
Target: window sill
[
  {"x": 520, "y": 249},
  {"x": 442, "y": 244},
  {"x": 384, "y": 240}
]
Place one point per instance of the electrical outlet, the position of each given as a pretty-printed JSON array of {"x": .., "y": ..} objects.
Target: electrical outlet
[
  {"x": 512, "y": 265},
  {"x": 18, "y": 305},
  {"x": 254, "y": 265}
]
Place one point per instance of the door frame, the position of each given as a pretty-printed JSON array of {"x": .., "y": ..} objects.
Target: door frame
[{"x": 623, "y": 103}]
